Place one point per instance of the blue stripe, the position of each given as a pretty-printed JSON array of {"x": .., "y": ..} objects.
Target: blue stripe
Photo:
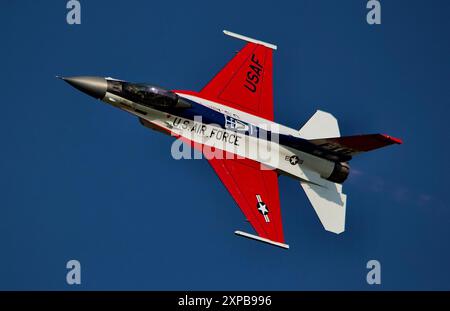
[{"x": 211, "y": 116}]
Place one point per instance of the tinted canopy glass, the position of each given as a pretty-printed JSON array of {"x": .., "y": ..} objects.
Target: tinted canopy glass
[{"x": 150, "y": 95}]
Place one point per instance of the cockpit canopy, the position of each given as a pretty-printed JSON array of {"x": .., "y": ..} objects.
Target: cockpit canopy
[{"x": 149, "y": 95}]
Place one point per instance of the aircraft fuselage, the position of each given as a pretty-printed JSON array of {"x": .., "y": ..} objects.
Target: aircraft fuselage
[{"x": 214, "y": 126}]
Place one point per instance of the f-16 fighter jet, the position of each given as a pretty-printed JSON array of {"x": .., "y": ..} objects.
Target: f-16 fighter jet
[{"x": 230, "y": 122}]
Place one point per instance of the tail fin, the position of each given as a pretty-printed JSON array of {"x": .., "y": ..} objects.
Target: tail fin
[
  {"x": 322, "y": 129},
  {"x": 353, "y": 145},
  {"x": 321, "y": 125},
  {"x": 326, "y": 197}
]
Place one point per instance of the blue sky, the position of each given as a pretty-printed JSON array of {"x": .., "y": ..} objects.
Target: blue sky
[{"x": 81, "y": 180}]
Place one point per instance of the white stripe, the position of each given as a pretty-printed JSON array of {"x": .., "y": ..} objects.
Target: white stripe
[
  {"x": 232, "y": 34},
  {"x": 258, "y": 238}
]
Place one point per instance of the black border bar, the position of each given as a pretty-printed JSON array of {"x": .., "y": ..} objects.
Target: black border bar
[{"x": 170, "y": 300}]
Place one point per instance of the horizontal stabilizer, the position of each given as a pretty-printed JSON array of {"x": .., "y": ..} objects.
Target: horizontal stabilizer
[
  {"x": 329, "y": 204},
  {"x": 322, "y": 124},
  {"x": 353, "y": 145}
]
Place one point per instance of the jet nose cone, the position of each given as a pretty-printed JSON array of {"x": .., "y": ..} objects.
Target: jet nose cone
[{"x": 93, "y": 86}]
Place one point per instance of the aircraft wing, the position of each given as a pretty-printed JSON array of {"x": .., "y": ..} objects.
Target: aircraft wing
[
  {"x": 255, "y": 190},
  {"x": 245, "y": 83}
]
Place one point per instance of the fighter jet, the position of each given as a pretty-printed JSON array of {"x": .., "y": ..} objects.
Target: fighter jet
[{"x": 231, "y": 122}]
